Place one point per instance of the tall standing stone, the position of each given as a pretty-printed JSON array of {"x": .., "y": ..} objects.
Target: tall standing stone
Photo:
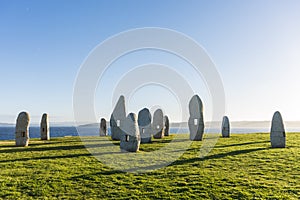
[
  {"x": 196, "y": 124},
  {"x": 22, "y": 129},
  {"x": 158, "y": 124},
  {"x": 167, "y": 125},
  {"x": 117, "y": 119},
  {"x": 144, "y": 122},
  {"x": 225, "y": 127},
  {"x": 277, "y": 136},
  {"x": 130, "y": 137},
  {"x": 44, "y": 127},
  {"x": 103, "y": 128}
]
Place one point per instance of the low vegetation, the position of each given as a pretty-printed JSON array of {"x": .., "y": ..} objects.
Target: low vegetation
[{"x": 241, "y": 167}]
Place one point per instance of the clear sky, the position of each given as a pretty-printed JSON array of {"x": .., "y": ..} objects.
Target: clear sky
[{"x": 255, "y": 45}]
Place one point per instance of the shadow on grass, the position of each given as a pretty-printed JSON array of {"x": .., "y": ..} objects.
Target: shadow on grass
[
  {"x": 36, "y": 148},
  {"x": 92, "y": 176},
  {"x": 59, "y": 157},
  {"x": 45, "y": 158},
  {"x": 105, "y": 173},
  {"x": 178, "y": 162},
  {"x": 52, "y": 141},
  {"x": 40, "y": 142},
  {"x": 241, "y": 144},
  {"x": 113, "y": 172},
  {"x": 217, "y": 156},
  {"x": 27, "y": 149},
  {"x": 159, "y": 141},
  {"x": 30, "y": 145},
  {"x": 7, "y": 146},
  {"x": 192, "y": 160}
]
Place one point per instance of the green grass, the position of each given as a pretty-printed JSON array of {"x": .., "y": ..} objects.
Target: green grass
[{"x": 241, "y": 167}]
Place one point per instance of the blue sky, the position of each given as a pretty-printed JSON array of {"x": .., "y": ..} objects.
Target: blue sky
[{"x": 255, "y": 45}]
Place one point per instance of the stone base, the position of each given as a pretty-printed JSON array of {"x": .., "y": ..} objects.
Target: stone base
[
  {"x": 196, "y": 131},
  {"x": 159, "y": 135},
  {"x": 278, "y": 142},
  {"x": 146, "y": 140},
  {"x": 197, "y": 137},
  {"x": 22, "y": 142},
  {"x": 116, "y": 133},
  {"x": 45, "y": 137},
  {"x": 130, "y": 145}
]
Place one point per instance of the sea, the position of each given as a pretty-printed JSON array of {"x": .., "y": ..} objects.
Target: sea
[{"x": 8, "y": 132}]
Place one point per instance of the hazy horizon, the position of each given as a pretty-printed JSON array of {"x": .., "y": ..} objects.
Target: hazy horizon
[{"x": 215, "y": 124}]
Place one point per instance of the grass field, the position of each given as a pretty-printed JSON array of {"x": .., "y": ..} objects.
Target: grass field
[{"x": 241, "y": 167}]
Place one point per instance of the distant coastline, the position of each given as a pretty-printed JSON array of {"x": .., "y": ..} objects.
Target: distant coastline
[
  {"x": 6, "y": 124},
  {"x": 235, "y": 124}
]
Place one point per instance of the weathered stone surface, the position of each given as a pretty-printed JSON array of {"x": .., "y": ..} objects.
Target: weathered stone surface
[
  {"x": 225, "y": 127},
  {"x": 167, "y": 125},
  {"x": 144, "y": 122},
  {"x": 130, "y": 137},
  {"x": 103, "y": 128},
  {"x": 196, "y": 124},
  {"x": 44, "y": 127},
  {"x": 22, "y": 129},
  {"x": 117, "y": 119},
  {"x": 158, "y": 124},
  {"x": 278, "y": 137}
]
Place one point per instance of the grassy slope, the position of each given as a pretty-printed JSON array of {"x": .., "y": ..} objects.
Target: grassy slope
[{"x": 241, "y": 167}]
